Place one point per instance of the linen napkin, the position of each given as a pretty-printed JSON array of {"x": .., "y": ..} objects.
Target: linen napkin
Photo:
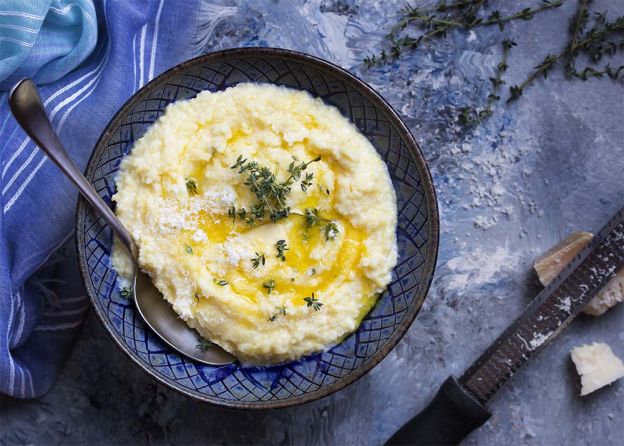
[
  {"x": 44, "y": 39},
  {"x": 136, "y": 40}
]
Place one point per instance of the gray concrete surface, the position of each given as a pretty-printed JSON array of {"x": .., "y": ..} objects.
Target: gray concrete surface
[{"x": 508, "y": 189}]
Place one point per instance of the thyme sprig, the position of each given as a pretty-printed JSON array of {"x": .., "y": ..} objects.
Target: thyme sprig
[
  {"x": 191, "y": 186},
  {"x": 471, "y": 116},
  {"x": 462, "y": 15},
  {"x": 281, "y": 311},
  {"x": 281, "y": 247},
  {"x": 312, "y": 219},
  {"x": 592, "y": 43},
  {"x": 313, "y": 302},
  {"x": 541, "y": 69},
  {"x": 270, "y": 193},
  {"x": 330, "y": 230},
  {"x": 258, "y": 260},
  {"x": 602, "y": 40},
  {"x": 269, "y": 285}
]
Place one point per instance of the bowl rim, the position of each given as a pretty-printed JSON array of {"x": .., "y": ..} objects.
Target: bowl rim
[{"x": 424, "y": 176}]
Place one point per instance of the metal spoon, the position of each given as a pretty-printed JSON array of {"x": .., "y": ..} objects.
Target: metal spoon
[{"x": 28, "y": 110}]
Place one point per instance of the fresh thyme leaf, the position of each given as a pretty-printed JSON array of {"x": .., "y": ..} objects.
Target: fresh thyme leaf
[
  {"x": 191, "y": 186},
  {"x": 311, "y": 217},
  {"x": 313, "y": 302},
  {"x": 188, "y": 249},
  {"x": 307, "y": 181},
  {"x": 269, "y": 285},
  {"x": 295, "y": 169},
  {"x": 281, "y": 248},
  {"x": 281, "y": 311},
  {"x": 240, "y": 162},
  {"x": 221, "y": 282},
  {"x": 330, "y": 230},
  {"x": 125, "y": 292},
  {"x": 258, "y": 260},
  {"x": 203, "y": 344}
]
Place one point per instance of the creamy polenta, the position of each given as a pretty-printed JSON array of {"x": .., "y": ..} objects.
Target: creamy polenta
[{"x": 269, "y": 271}]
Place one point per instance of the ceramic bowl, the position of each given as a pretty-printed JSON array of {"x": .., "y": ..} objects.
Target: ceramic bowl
[{"x": 314, "y": 376}]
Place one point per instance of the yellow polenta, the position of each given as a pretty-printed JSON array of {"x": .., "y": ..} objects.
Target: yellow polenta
[{"x": 176, "y": 192}]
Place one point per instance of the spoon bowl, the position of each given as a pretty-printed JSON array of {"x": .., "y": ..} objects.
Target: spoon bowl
[
  {"x": 160, "y": 317},
  {"x": 25, "y": 104}
]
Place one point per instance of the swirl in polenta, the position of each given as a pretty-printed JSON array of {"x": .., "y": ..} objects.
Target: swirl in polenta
[{"x": 263, "y": 216}]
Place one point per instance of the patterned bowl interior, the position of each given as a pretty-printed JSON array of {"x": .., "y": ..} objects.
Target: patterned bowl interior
[{"x": 311, "y": 377}]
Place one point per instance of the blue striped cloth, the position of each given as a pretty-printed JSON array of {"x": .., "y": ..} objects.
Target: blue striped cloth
[
  {"x": 136, "y": 41},
  {"x": 44, "y": 39}
]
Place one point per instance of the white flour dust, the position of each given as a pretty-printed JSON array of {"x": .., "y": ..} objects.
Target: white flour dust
[{"x": 478, "y": 267}]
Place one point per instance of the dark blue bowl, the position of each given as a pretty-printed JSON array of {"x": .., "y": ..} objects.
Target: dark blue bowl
[{"x": 311, "y": 377}]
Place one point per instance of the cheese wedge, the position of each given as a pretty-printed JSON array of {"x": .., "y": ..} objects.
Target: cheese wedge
[
  {"x": 597, "y": 365},
  {"x": 551, "y": 263}
]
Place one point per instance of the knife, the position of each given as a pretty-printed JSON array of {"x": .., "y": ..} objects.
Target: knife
[{"x": 459, "y": 407}]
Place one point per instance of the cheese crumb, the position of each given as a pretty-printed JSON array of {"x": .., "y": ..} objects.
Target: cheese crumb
[
  {"x": 199, "y": 236},
  {"x": 219, "y": 199},
  {"x": 597, "y": 365},
  {"x": 235, "y": 251}
]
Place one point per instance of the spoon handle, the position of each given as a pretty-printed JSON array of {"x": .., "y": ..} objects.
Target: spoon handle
[{"x": 25, "y": 104}]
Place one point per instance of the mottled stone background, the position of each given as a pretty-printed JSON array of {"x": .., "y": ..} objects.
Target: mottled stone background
[{"x": 508, "y": 189}]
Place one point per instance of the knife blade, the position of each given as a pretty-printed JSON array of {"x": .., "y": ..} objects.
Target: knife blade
[{"x": 459, "y": 406}]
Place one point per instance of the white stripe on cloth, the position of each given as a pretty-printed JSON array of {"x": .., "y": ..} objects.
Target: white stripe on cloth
[
  {"x": 65, "y": 10},
  {"x": 47, "y": 101},
  {"x": 75, "y": 104},
  {"x": 17, "y": 41},
  {"x": 155, "y": 40},
  {"x": 142, "y": 54},
  {"x": 95, "y": 81},
  {"x": 22, "y": 318},
  {"x": 73, "y": 299},
  {"x": 6, "y": 118},
  {"x": 12, "y": 338},
  {"x": 134, "y": 64},
  {"x": 66, "y": 313},
  {"x": 20, "y": 28},
  {"x": 21, "y": 14},
  {"x": 11, "y": 365},
  {"x": 56, "y": 327},
  {"x": 32, "y": 387},
  {"x": 23, "y": 385}
]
